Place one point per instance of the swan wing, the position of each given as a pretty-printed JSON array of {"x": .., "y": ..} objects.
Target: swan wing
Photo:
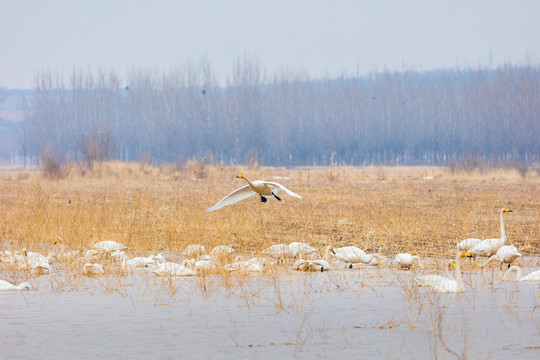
[
  {"x": 237, "y": 195},
  {"x": 276, "y": 186}
]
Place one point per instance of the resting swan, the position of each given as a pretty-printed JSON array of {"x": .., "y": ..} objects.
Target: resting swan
[
  {"x": 489, "y": 247},
  {"x": 6, "y": 286},
  {"x": 353, "y": 255},
  {"x": 93, "y": 269},
  {"x": 312, "y": 265},
  {"x": 406, "y": 260},
  {"x": 446, "y": 285},
  {"x": 505, "y": 255},
  {"x": 532, "y": 277},
  {"x": 265, "y": 189}
]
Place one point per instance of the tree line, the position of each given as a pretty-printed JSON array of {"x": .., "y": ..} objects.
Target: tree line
[{"x": 287, "y": 118}]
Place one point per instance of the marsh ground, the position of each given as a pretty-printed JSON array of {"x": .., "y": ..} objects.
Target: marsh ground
[{"x": 366, "y": 312}]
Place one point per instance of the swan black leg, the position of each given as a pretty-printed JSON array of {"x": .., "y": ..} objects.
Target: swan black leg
[
  {"x": 276, "y": 196},
  {"x": 263, "y": 199}
]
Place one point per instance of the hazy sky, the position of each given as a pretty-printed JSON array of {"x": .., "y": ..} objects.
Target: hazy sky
[{"x": 320, "y": 37}]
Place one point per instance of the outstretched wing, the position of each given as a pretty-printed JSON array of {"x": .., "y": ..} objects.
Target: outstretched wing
[
  {"x": 235, "y": 196},
  {"x": 277, "y": 186}
]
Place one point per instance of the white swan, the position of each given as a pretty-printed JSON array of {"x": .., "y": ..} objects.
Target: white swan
[
  {"x": 194, "y": 251},
  {"x": 279, "y": 251},
  {"x": 221, "y": 251},
  {"x": 158, "y": 258},
  {"x": 489, "y": 247},
  {"x": 469, "y": 243},
  {"x": 119, "y": 256},
  {"x": 429, "y": 280},
  {"x": 506, "y": 254},
  {"x": 37, "y": 263},
  {"x": 531, "y": 277},
  {"x": 300, "y": 249},
  {"x": 445, "y": 285},
  {"x": 109, "y": 246},
  {"x": 171, "y": 269},
  {"x": 312, "y": 265},
  {"x": 7, "y": 286},
  {"x": 406, "y": 260},
  {"x": 93, "y": 269},
  {"x": 205, "y": 266},
  {"x": 258, "y": 264},
  {"x": 140, "y": 261},
  {"x": 265, "y": 189},
  {"x": 353, "y": 255}
]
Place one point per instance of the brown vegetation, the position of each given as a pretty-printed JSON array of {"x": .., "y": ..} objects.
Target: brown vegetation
[{"x": 422, "y": 210}]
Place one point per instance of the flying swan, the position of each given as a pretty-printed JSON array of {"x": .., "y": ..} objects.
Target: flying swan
[{"x": 265, "y": 189}]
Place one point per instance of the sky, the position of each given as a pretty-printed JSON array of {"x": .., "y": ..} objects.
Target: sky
[{"x": 321, "y": 38}]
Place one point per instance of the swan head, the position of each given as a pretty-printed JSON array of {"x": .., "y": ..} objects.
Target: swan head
[
  {"x": 25, "y": 286},
  {"x": 58, "y": 240},
  {"x": 330, "y": 248},
  {"x": 507, "y": 210},
  {"x": 240, "y": 176}
]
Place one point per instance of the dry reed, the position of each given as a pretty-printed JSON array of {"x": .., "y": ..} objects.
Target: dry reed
[{"x": 422, "y": 210}]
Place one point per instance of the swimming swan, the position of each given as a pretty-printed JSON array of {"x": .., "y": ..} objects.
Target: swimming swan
[
  {"x": 6, "y": 286},
  {"x": 505, "y": 255},
  {"x": 429, "y": 280},
  {"x": 532, "y": 277},
  {"x": 489, "y": 247},
  {"x": 442, "y": 284},
  {"x": 265, "y": 189}
]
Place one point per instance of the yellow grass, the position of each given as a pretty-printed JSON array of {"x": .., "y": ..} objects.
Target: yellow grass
[{"x": 379, "y": 209}]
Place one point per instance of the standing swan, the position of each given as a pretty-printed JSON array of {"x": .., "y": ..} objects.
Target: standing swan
[
  {"x": 506, "y": 254},
  {"x": 446, "y": 285},
  {"x": 489, "y": 247},
  {"x": 265, "y": 189},
  {"x": 532, "y": 277}
]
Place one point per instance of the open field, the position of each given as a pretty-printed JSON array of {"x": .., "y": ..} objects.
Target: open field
[{"x": 421, "y": 210}]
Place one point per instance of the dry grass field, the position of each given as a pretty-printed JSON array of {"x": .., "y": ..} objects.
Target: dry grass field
[{"x": 421, "y": 210}]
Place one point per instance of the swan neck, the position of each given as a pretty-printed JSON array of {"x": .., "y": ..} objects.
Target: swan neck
[
  {"x": 248, "y": 181},
  {"x": 458, "y": 271},
  {"x": 327, "y": 253},
  {"x": 449, "y": 268},
  {"x": 515, "y": 269},
  {"x": 503, "y": 234},
  {"x": 491, "y": 258}
]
